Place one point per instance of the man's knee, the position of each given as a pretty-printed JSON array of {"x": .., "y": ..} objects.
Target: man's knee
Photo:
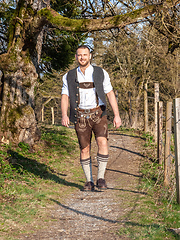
[
  {"x": 102, "y": 141},
  {"x": 85, "y": 150}
]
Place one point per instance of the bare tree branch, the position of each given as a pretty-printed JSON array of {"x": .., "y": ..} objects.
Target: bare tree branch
[{"x": 89, "y": 25}]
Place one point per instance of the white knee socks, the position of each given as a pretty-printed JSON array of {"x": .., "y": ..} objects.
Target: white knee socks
[
  {"x": 102, "y": 163},
  {"x": 87, "y": 168}
]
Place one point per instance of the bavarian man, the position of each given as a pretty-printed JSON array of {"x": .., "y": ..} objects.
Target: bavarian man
[{"x": 86, "y": 87}]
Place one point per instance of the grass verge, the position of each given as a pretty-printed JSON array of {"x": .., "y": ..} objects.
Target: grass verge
[
  {"x": 31, "y": 178},
  {"x": 154, "y": 215}
]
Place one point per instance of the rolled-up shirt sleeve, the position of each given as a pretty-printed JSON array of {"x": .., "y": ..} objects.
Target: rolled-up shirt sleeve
[
  {"x": 65, "y": 89},
  {"x": 107, "y": 83}
]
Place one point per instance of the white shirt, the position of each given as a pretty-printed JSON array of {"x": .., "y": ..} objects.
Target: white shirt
[{"x": 87, "y": 96}]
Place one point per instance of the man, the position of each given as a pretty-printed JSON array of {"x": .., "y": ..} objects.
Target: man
[{"x": 86, "y": 87}]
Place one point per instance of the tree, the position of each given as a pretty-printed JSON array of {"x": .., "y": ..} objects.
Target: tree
[
  {"x": 137, "y": 56},
  {"x": 20, "y": 63},
  {"x": 48, "y": 95}
]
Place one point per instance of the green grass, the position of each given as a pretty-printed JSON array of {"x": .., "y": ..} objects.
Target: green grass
[
  {"x": 150, "y": 220},
  {"x": 155, "y": 214},
  {"x": 30, "y": 178}
]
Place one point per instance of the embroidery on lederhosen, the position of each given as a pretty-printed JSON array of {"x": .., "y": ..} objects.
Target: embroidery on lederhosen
[
  {"x": 96, "y": 117},
  {"x": 82, "y": 123}
]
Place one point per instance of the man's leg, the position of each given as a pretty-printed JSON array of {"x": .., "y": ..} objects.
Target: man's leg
[
  {"x": 84, "y": 135},
  {"x": 100, "y": 129},
  {"x": 85, "y": 161},
  {"x": 102, "y": 159},
  {"x": 102, "y": 143}
]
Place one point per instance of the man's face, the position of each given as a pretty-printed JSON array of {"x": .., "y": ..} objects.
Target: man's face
[{"x": 83, "y": 57}]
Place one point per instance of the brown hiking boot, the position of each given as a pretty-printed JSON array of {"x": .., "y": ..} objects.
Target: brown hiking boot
[
  {"x": 89, "y": 186},
  {"x": 101, "y": 184}
]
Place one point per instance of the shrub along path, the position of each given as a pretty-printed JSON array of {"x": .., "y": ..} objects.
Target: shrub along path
[{"x": 101, "y": 214}]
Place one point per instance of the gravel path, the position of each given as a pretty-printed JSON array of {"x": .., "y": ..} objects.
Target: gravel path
[{"x": 99, "y": 215}]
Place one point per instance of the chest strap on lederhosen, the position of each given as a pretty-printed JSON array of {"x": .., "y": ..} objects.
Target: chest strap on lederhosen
[{"x": 87, "y": 85}]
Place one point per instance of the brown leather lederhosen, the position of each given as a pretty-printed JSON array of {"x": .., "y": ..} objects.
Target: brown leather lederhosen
[
  {"x": 73, "y": 86},
  {"x": 90, "y": 120}
]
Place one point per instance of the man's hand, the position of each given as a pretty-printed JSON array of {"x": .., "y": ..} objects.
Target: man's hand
[
  {"x": 65, "y": 121},
  {"x": 64, "y": 109},
  {"x": 117, "y": 122},
  {"x": 112, "y": 100}
]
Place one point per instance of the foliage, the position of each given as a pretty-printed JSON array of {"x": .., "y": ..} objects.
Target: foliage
[
  {"x": 135, "y": 56},
  {"x": 66, "y": 8},
  {"x": 40, "y": 39},
  {"x": 6, "y": 13},
  {"x": 59, "y": 49},
  {"x": 58, "y": 46},
  {"x": 167, "y": 23}
]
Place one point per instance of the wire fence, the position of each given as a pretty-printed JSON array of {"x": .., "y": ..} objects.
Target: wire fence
[
  {"x": 166, "y": 134},
  {"x": 164, "y": 125}
]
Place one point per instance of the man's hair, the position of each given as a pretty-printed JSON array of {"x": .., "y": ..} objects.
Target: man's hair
[{"x": 84, "y": 46}]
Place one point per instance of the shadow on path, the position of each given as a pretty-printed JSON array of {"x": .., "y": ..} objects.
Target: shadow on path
[
  {"x": 131, "y": 174},
  {"x": 126, "y": 190},
  {"x": 118, "y": 171},
  {"x": 111, "y": 132},
  {"x": 125, "y": 149},
  {"x": 84, "y": 213}
]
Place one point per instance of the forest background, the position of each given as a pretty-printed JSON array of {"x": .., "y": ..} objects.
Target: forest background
[
  {"x": 143, "y": 48},
  {"x": 137, "y": 42}
]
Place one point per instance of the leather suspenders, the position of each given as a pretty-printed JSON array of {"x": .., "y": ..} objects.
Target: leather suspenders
[{"x": 87, "y": 85}]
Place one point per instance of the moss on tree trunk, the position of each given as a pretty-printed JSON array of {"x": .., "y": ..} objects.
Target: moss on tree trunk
[{"x": 18, "y": 121}]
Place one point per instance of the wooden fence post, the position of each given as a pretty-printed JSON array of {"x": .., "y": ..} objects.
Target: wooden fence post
[
  {"x": 159, "y": 132},
  {"x": 177, "y": 144},
  {"x": 167, "y": 149},
  {"x": 52, "y": 111},
  {"x": 130, "y": 108},
  {"x": 156, "y": 100},
  {"x": 42, "y": 111},
  {"x": 145, "y": 108}
]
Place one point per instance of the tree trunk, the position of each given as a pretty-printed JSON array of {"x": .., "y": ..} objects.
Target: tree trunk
[
  {"x": 20, "y": 66},
  {"x": 18, "y": 121}
]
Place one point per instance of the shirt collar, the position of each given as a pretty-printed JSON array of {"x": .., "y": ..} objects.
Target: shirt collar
[{"x": 90, "y": 68}]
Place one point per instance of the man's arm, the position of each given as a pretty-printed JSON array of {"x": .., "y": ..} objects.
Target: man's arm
[
  {"x": 64, "y": 109},
  {"x": 113, "y": 103}
]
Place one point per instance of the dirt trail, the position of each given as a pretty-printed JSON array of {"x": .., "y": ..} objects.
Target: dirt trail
[{"x": 99, "y": 215}]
